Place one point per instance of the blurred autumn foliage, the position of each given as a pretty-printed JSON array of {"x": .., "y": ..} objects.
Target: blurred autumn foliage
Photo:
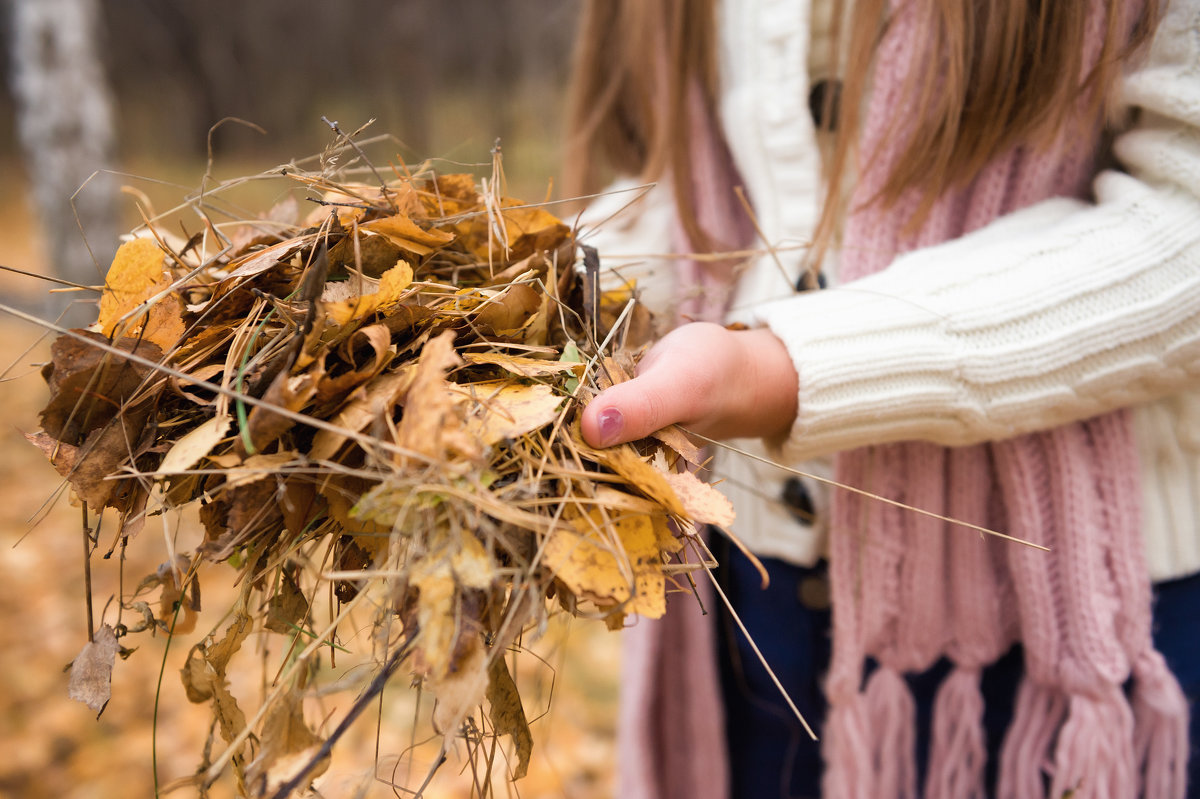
[{"x": 445, "y": 76}]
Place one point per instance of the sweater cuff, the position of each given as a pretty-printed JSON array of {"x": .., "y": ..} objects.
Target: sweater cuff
[{"x": 891, "y": 378}]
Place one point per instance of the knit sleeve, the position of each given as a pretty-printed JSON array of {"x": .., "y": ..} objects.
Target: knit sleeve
[{"x": 1055, "y": 313}]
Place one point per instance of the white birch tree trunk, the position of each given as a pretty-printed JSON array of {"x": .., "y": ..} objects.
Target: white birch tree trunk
[{"x": 65, "y": 125}]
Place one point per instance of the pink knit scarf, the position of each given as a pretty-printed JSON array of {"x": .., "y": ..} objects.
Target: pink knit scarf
[{"x": 908, "y": 590}]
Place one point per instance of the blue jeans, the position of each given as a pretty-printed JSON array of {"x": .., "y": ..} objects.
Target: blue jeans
[{"x": 772, "y": 756}]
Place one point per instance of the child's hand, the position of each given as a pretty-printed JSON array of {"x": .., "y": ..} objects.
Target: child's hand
[{"x": 717, "y": 382}]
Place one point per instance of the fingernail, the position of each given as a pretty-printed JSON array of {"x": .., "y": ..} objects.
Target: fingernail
[{"x": 610, "y": 423}]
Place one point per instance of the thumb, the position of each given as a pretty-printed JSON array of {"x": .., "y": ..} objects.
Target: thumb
[{"x": 634, "y": 409}]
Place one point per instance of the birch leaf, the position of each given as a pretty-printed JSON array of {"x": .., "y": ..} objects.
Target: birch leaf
[{"x": 136, "y": 268}]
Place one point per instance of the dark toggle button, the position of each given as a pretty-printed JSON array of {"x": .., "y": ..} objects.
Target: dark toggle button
[
  {"x": 814, "y": 592},
  {"x": 821, "y": 282},
  {"x": 824, "y": 103},
  {"x": 798, "y": 501}
]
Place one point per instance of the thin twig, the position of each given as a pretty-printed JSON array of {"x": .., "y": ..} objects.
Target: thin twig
[{"x": 365, "y": 698}]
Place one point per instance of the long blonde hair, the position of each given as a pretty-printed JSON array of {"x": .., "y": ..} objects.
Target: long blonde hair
[{"x": 992, "y": 75}]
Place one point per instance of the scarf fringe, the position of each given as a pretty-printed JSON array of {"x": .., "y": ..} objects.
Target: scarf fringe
[
  {"x": 959, "y": 748},
  {"x": 1094, "y": 755},
  {"x": 892, "y": 713},
  {"x": 1160, "y": 724},
  {"x": 849, "y": 768},
  {"x": 1025, "y": 755}
]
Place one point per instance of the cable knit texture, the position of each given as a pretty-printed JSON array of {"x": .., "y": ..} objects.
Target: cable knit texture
[{"x": 908, "y": 589}]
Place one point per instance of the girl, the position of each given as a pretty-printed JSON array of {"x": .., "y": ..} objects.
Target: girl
[{"x": 1004, "y": 202}]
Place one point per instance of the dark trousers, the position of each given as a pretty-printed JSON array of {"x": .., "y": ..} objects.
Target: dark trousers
[{"x": 772, "y": 756}]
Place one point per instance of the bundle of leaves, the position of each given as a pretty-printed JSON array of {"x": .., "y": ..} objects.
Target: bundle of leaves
[{"x": 379, "y": 399}]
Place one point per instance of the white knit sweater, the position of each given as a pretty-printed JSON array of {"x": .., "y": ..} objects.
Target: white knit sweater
[{"x": 1058, "y": 312}]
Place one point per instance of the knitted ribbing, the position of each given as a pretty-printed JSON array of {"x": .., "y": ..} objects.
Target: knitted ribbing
[{"x": 907, "y": 590}]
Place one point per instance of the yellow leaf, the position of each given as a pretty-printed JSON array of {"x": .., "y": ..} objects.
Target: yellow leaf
[
  {"x": 625, "y": 461},
  {"x": 471, "y": 564},
  {"x": 437, "y": 592},
  {"x": 610, "y": 564},
  {"x": 342, "y": 306},
  {"x": 408, "y": 235},
  {"x": 136, "y": 270},
  {"x": 701, "y": 502},
  {"x": 508, "y": 410},
  {"x": 523, "y": 366},
  {"x": 459, "y": 692}
]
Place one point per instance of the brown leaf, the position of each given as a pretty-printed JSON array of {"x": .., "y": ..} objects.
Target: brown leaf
[
  {"x": 164, "y": 323},
  {"x": 508, "y": 312},
  {"x": 301, "y": 504},
  {"x": 524, "y": 366},
  {"x": 431, "y": 424},
  {"x": 368, "y": 404},
  {"x": 288, "y": 392},
  {"x": 367, "y": 254},
  {"x": 287, "y": 608},
  {"x": 88, "y": 386},
  {"x": 508, "y": 717},
  {"x": 91, "y": 671},
  {"x": 287, "y": 746},
  {"x": 204, "y": 677},
  {"x": 102, "y": 454},
  {"x": 673, "y": 437}
]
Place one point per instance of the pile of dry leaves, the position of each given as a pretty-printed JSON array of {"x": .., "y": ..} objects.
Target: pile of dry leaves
[{"x": 378, "y": 398}]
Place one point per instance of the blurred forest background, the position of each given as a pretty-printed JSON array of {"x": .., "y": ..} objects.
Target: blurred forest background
[{"x": 139, "y": 85}]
